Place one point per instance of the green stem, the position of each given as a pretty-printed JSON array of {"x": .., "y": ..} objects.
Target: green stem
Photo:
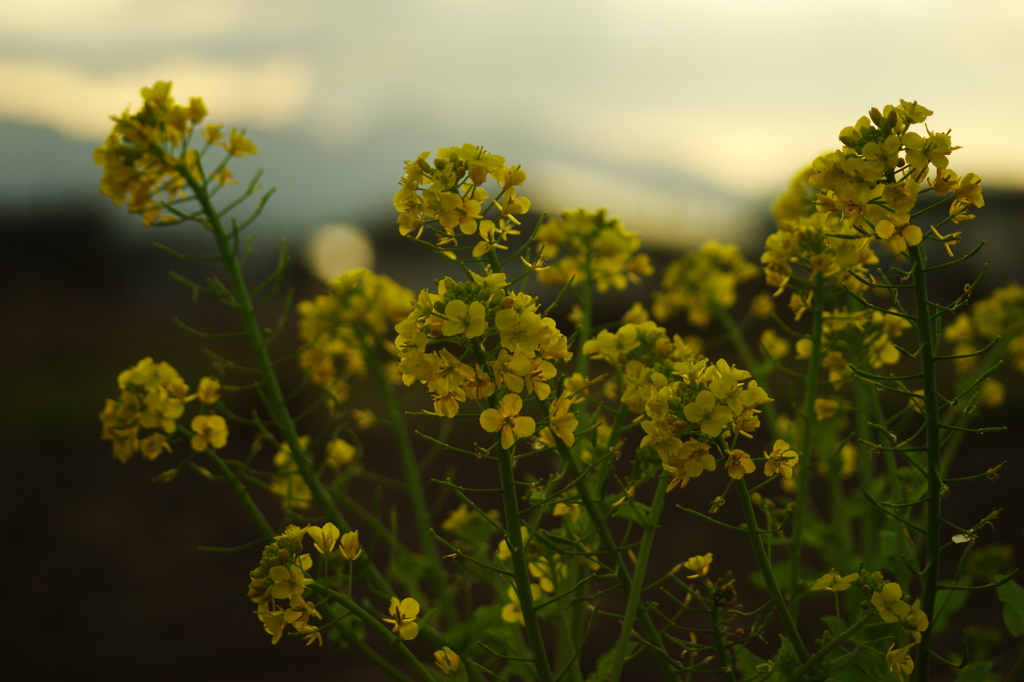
[
  {"x": 723, "y": 651},
  {"x": 819, "y": 655},
  {"x": 933, "y": 539},
  {"x": 870, "y": 516},
  {"x": 803, "y": 499},
  {"x": 838, "y": 506},
  {"x": 895, "y": 490},
  {"x": 566, "y": 657},
  {"x": 274, "y": 395},
  {"x": 241, "y": 493},
  {"x": 513, "y": 536},
  {"x": 414, "y": 490},
  {"x": 633, "y": 603},
  {"x": 614, "y": 557},
  {"x": 520, "y": 570},
  {"x": 765, "y": 566}
]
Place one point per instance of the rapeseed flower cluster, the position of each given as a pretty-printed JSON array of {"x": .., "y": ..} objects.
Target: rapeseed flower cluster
[
  {"x": 153, "y": 397},
  {"x": 890, "y": 605},
  {"x": 278, "y": 586},
  {"x": 874, "y": 180},
  {"x": 340, "y": 327},
  {"x": 146, "y": 157},
  {"x": 447, "y": 198},
  {"x": 524, "y": 347},
  {"x": 1000, "y": 314},
  {"x": 685, "y": 402},
  {"x": 801, "y": 250},
  {"x": 585, "y": 246},
  {"x": 699, "y": 281},
  {"x": 865, "y": 338}
]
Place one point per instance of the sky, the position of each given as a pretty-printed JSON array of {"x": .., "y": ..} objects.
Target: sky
[{"x": 682, "y": 117}]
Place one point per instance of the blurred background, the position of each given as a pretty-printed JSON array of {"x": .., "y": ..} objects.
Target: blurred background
[{"x": 682, "y": 118}]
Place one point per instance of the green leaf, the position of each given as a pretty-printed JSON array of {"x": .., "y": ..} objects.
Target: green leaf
[
  {"x": 835, "y": 624},
  {"x": 956, "y": 601},
  {"x": 808, "y": 576},
  {"x": 975, "y": 672},
  {"x": 604, "y": 664},
  {"x": 464, "y": 636},
  {"x": 634, "y": 511},
  {"x": 841, "y": 662},
  {"x": 746, "y": 663},
  {"x": 1012, "y": 596}
]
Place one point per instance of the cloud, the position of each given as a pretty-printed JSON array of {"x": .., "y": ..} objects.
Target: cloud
[
  {"x": 268, "y": 94},
  {"x": 667, "y": 214}
]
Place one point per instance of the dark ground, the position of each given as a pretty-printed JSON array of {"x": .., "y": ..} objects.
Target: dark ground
[{"x": 104, "y": 580}]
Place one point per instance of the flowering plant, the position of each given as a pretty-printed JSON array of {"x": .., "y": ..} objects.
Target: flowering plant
[{"x": 589, "y": 432}]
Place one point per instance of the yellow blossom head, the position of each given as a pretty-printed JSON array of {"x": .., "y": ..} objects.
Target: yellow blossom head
[
  {"x": 700, "y": 565},
  {"x": 403, "y": 617},
  {"x": 350, "y": 545},
  {"x": 324, "y": 538},
  {"x": 447, "y": 660}
]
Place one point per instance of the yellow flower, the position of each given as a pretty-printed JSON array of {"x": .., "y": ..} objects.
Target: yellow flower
[
  {"x": 899, "y": 660},
  {"x": 298, "y": 614},
  {"x": 711, "y": 416},
  {"x": 825, "y": 408},
  {"x": 968, "y": 194},
  {"x": 739, "y": 464},
  {"x": 162, "y": 411},
  {"x": 781, "y": 460},
  {"x": 208, "y": 391},
  {"x": 762, "y": 306},
  {"x": 153, "y": 445},
  {"x": 915, "y": 621},
  {"x": 272, "y": 619},
  {"x": 508, "y": 420},
  {"x": 211, "y": 431},
  {"x": 898, "y": 232},
  {"x": 324, "y": 538},
  {"x": 833, "y": 582},
  {"x": 288, "y": 581},
  {"x": 467, "y": 320},
  {"x": 775, "y": 346},
  {"x": 901, "y": 196},
  {"x": 546, "y": 573},
  {"x": 310, "y": 633},
  {"x": 700, "y": 565},
  {"x": 364, "y": 419},
  {"x": 503, "y": 551},
  {"x": 518, "y": 329},
  {"x": 403, "y": 617},
  {"x": 637, "y": 314},
  {"x": 563, "y": 422},
  {"x": 513, "y": 611},
  {"x": 889, "y": 603},
  {"x": 240, "y": 145},
  {"x": 447, "y": 660},
  {"x": 350, "y": 545},
  {"x": 991, "y": 395},
  {"x": 570, "y": 510},
  {"x": 339, "y": 453}
]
